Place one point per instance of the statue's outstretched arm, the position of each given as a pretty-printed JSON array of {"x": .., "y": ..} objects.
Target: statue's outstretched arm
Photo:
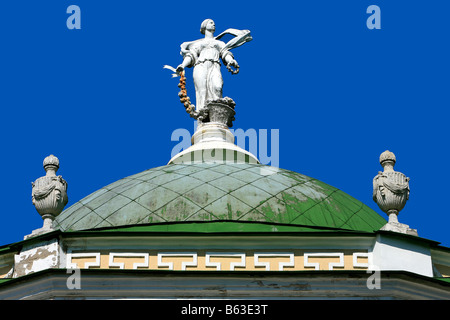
[
  {"x": 187, "y": 61},
  {"x": 189, "y": 55}
]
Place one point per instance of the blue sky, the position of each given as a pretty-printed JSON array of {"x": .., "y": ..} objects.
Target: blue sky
[{"x": 339, "y": 94}]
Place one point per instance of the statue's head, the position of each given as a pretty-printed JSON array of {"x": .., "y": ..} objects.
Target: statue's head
[{"x": 207, "y": 24}]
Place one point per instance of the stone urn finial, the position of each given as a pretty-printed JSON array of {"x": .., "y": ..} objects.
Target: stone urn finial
[
  {"x": 51, "y": 165},
  {"x": 390, "y": 192},
  {"x": 387, "y": 161},
  {"x": 49, "y": 194}
]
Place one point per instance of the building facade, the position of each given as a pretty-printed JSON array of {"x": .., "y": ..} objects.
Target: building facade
[{"x": 216, "y": 223}]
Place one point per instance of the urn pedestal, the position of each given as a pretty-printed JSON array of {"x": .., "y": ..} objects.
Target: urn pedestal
[{"x": 213, "y": 141}]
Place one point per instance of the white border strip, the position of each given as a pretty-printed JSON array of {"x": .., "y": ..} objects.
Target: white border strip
[
  {"x": 121, "y": 265},
  {"x": 218, "y": 266},
  {"x": 184, "y": 264},
  {"x": 71, "y": 255},
  {"x": 331, "y": 265},
  {"x": 357, "y": 255},
  {"x": 281, "y": 265}
]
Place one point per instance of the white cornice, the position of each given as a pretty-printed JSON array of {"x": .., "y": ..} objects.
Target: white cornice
[{"x": 219, "y": 242}]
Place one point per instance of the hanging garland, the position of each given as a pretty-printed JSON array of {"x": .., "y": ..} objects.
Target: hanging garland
[{"x": 186, "y": 101}]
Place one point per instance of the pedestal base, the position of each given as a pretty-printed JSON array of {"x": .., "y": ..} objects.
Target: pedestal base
[
  {"x": 399, "y": 227},
  {"x": 37, "y": 232},
  {"x": 213, "y": 142}
]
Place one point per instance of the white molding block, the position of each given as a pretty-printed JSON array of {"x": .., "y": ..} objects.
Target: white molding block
[
  {"x": 121, "y": 265},
  {"x": 218, "y": 266},
  {"x": 87, "y": 265},
  {"x": 281, "y": 265},
  {"x": 396, "y": 253},
  {"x": 357, "y": 255},
  {"x": 331, "y": 265},
  {"x": 184, "y": 264}
]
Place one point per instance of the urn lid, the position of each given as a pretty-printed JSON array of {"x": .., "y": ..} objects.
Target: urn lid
[
  {"x": 51, "y": 160},
  {"x": 387, "y": 156},
  {"x": 51, "y": 163}
]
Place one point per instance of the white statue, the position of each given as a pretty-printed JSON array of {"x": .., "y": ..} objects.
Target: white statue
[
  {"x": 204, "y": 55},
  {"x": 212, "y": 141}
]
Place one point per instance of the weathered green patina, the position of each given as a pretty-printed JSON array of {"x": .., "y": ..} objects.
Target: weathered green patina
[
  {"x": 219, "y": 192},
  {"x": 224, "y": 227}
]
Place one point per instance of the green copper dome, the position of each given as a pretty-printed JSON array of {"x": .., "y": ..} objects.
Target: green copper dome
[{"x": 219, "y": 192}]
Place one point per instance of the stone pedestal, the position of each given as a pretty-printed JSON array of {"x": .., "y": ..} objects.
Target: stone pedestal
[
  {"x": 212, "y": 132},
  {"x": 399, "y": 227},
  {"x": 34, "y": 257},
  {"x": 213, "y": 141}
]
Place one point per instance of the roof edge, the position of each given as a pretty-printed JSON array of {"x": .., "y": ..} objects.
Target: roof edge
[{"x": 218, "y": 226}]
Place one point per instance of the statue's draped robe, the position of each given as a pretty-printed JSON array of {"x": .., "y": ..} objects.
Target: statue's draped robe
[{"x": 205, "y": 57}]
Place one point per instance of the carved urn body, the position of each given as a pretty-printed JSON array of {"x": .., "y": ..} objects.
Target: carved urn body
[
  {"x": 49, "y": 193},
  {"x": 390, "y": 192}
]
